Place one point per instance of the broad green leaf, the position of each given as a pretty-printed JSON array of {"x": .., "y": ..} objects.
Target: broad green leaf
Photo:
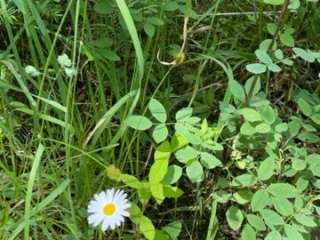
[
  {"x": 157, "y": 191},
  {"x": 183, "y": 114},
  {"x": 139, "y": 122},
  {"x": 272, "y": 28},
  {"x": 245, "y": 180},
  {"x": 250, "y": 114},
  {"x": 260, "y": 200},
  {"x": 257, "y": 86},
  {"x": 234, "y": 218},
  {"x": 146, "y": 228},
  {"x": 158, "y": 170},
  {"x": 173, "y": 229},
  {"x": 135, "y": 214},
  {"x": 237, "y": 90},
  {"x": 292, "y": 233},
  {"x": 281, "y": 127},
  {"x": 256, "y": 68},
  {"x": 256, "y": 222},
  {"x": 247, "y": 129},
  {"x": 130, "y": 181},
  {"x": 149, "y": 29},
  {"x": 271, "y": 218},
  {"x": 304, "y": 107},
  {"x": 242, "y": 196},
  {"x": 266, "y": 169},
  {"x": 304, "y": 54},
  {"x": 287, "y": 39},
  {"x": 209, "y": 160},
  {"x": 274, "y": 68},
  {"x": 195, "y": 172},
  {"x": 160, "y": 133},
  {"x": 279, "y": 54},
  {"x": 298, "y": 164},
  {"x": 284, "y": 190},
  {"x": 263, "y": 56},
  {"x": 316, "y": 118},
  {"x": 283, "y": 206},
  {"x": 305, "y": 220},
  {"x": 248, "y": 233},
  {"x": 274, "y": 235},
  {"x": 263, "y": 128},
  {"x": 157, "y": 110},
  {"x": 172, "y": 192},
  {"x": 177, "y": 142},
  {"x": 185, "y": 154},
  {"x": 173, "y": 174}
]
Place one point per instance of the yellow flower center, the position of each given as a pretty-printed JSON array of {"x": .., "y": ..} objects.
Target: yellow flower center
[{"x": 109, "y": 209}]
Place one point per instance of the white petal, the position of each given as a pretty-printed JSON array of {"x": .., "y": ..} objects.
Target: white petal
[
  {"x": 95, "y": 219},
  {"x": 124, "y": 213},
  {"x": 105, "y": 225}
]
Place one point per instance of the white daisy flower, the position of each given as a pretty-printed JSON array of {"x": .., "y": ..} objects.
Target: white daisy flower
[{"x": 108, "y": 208}]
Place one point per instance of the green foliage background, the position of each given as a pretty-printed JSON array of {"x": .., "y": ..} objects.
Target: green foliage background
[{"x": 207, "y": 113}]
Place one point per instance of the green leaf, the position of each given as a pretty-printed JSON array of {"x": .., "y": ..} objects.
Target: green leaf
[
  {"x": 172, "y": 192},
  {"x": 158, "y": 171},
  {"x": 283, "y": 206},
  {"x": 173, "y": 174},
  {"x": 149, "y": 29},
  {"x": 173, "y": 229},
  {"x": 263, "y": 128},
  {"x": 234, "y": 218},
  {"x": 130, "y": 181},
  {"x": 292, "y": 233},
  {"x": 247, "y": 129},
  {"x": 268, "y": 114},
  {"x": 157, "y": 110},
  {"x": 139, "y": 122},
  {"x": 257, "y": 86},
  {"x": 259, "y": 200},
  {"x": 183, "y": 114},
  {"x": 135, "y": 214},
  {"x": 284, "y": 190},
  {"x": 160, "y": 133},
  {"x": 209, "y": 160},
  {"x": 274, "y": 68},
  {"x": 185, "y": 154},
  {"x": 245, "y": 180},
  {"x": 298, "y": 164},
  {"x": 242, "y": 196},
  {"x": 256, "y": 222},
  {"x": 305, "y": 55},
  {"x": 305, "y": 220},
  {"x": 250, "y": 114},
  {"x": 256, "y": 68},
  {"x": 263, "y": 56},
  {"x": 237, "y": 90},
  {"x": 287, "y": 39},
  {"x": 146, "y": 228},
  {"x": 304, "y": 107},
  {"x": 248, "y": 233},
  {"x": 274, "y": 2},
  {"x": 195, "y": 172},
  {"x": 271, "y": 218},
  {"x": 157, "y": 191},
  {"x": 266, "y": 169},
  {"x": 281, "y": 127},
  {"x": 279, "y": 54},
  {"x": 274, "y": 235}
]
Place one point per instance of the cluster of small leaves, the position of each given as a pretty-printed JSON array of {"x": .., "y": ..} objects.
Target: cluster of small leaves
[{"x": 273, "y": 176}]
